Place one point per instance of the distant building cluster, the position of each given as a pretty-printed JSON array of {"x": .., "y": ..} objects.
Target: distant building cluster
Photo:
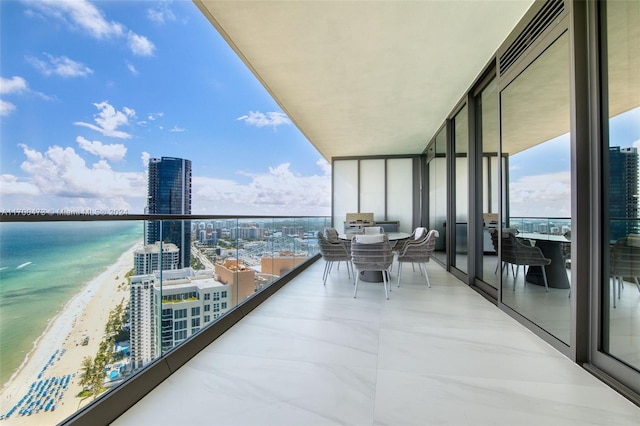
[
  {"x": 169, "y": 299},
  {"x": 186, "y": 300}
]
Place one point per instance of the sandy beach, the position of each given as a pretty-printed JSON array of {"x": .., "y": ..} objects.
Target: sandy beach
[{"x": 85, "y": 315}]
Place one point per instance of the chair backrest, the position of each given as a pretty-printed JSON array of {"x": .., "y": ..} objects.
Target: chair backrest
[
  {"x": 371, "y": 252},
  {"x": 419, "y": 232},
  {"x": 369, "y": 238},
  {"x": 373, "y": 230},
  {"x": 331, "y": 234},
  {"x": 625, "y": 257},
  {"x": 419, "y": 250},
  {"x": 332, "y": 251},
  {"x": 516, "y": 252}
]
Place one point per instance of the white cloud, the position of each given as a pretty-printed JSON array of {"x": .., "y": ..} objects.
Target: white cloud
[
  {"x": 112, "y": 152},
  {"x": 132, "y": 69},
  {"x": 259, "y": 119},
  {"x": 12, "y": 85},
  {"x": 636, "y": 144},
  {"x": 145, "y": 156},
  {"x": 277, "y": 192},
  {"x": 140, "y": 45},
  {"x": 61, "y": 66},
  {"x": 177, "y": 129},
  {"x": 161, "y": 14},
  {"x": 152, "y": 116},
  {"x": 547, "y": 195},
  {"x": 325, "y": 166},
  {"x": 109, "y": 120},
  {"x": 84, "y": 16},
  {"x": 79, "y": 14},
  {"x": 11, "y": 185},
  {"x": 62, "y": 172},
  {"x": 6, "y": 108}
]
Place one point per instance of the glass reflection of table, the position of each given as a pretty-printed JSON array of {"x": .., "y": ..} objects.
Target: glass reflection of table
[
  {"x": 376, "y": 276},
  {"x": 551, "y": 247}
]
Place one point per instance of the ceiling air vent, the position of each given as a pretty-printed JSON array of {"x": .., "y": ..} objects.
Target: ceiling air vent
[{"x": 551, "y": 10}]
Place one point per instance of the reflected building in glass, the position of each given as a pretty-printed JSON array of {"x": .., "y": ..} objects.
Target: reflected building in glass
[
  {"x": 623, "y": 194},
  {"x": 169, "y": 193}
]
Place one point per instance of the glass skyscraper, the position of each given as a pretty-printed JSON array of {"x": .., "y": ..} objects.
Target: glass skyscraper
[
  {"x": 169, "y": 192},
  {"x": 623, "y": 191}
]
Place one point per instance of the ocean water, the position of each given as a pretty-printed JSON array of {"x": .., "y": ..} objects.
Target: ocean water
[{"x": 42, "y": 266}]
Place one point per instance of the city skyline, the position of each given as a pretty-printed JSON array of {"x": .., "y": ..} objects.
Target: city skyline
[{"x": 97, "y": 89}]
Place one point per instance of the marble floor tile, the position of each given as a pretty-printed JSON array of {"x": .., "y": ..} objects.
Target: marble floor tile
[{"x": 314, "y": 355}]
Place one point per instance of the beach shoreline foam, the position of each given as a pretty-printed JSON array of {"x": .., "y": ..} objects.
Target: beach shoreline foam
[{"x": 85, "y": 315}]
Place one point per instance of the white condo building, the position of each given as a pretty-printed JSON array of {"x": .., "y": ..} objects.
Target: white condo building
[
  {"x": 146, "y": 260},
  {"x": 189, "y": 301}
]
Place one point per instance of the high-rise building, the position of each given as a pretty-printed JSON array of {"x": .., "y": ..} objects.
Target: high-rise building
[
  {"x": 169, "y": 192},
  {"x": 189, "y": 301},
  {"x": 623, "y": 191},
  {"x": 146, "y": 260}
]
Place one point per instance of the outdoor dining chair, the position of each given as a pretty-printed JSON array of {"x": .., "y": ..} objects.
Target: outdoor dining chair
[
  {"x": 334, "y": 251},
  {"x": 371, "y": 253},
  {"x": 418, "y": 250}
]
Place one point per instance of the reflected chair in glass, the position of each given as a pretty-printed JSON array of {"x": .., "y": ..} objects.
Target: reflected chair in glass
[
  {"x": 334, "y": 251},
  {"x": 418, "y": 250},
  {"x": 493, "y": 232},
  {"x": 515, "y": 252},
  {"x": 371, "y": 253},
  {"x": 625, "y": 262}
]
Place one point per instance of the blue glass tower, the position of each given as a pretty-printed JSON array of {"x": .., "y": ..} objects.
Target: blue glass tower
[
  {"x": 623, "y": 192},
  {"x": 169, "y": 192}
]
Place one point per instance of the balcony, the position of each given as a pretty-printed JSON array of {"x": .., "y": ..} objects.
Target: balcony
[{"x": 312, "y": 354}]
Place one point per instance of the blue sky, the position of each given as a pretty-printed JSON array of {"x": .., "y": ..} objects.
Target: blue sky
[{"x": 90, "y": 91}]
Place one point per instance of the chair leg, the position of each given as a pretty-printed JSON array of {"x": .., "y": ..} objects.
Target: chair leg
[
  {"x": 325, "y": 273},
  {"x": 423, "y": 266},
  {"x": 544, "y": 276},
  {"x": 355, "y": 290},
  {"x": 385, "y": 279},
  {"x": 637, "y": 282},
  {"x": 399, "y": 272},
  {"x": 620, "y": 287}
]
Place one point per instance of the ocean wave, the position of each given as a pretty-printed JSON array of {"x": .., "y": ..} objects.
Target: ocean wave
[{"x": 23, "y": 265}]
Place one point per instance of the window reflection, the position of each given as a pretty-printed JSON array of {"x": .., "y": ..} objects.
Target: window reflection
[
  {"x": 437, "y": 162},
  {"x": 461, "y": 143},
  {"x": 535, "y": 119},
  {"x": 622, "y": 241},
  {"x": 487, "y": 132}
]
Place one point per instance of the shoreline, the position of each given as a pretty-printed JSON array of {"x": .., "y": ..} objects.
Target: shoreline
[{"x": 86, "y": 314}]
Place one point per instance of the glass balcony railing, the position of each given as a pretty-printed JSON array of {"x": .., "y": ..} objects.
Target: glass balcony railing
[
  {"x": 85, "y": 305},
  {"x": 544, "y": 226}
]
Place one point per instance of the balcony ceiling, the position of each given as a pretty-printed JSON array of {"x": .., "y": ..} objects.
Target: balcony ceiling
[{"x": 365, "y": 77}]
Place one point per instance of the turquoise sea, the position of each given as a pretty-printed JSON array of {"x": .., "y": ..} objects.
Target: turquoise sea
[{"x": 42, "y": 266}]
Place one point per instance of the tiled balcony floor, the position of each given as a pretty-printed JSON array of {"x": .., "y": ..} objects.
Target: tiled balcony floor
[{"x": 314, "y": 355}]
